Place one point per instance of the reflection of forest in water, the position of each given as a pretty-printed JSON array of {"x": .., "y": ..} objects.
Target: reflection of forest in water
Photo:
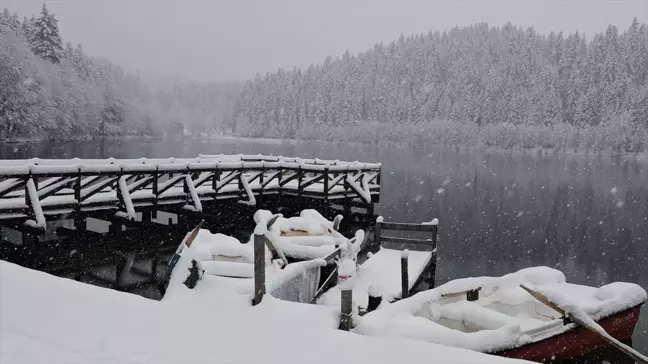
[
  {"x": 587, "y": 216},
  {"x": 499, "y": 212}
]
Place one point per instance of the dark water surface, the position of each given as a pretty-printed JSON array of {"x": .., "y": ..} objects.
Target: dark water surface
[{"x": 499, "y": 212}]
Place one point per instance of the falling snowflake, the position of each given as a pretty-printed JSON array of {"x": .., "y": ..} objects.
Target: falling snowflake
[
  {"x": 468, "y": 184},
  {"x": 418, "y": 198},
  {"x": 614, "y": 190},
  {"x": 441, "y": 190},
  {"x": 620, "y": 204}
]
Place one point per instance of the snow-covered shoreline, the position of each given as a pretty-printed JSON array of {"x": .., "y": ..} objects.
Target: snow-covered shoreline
[{"x": 46, "y": 319}]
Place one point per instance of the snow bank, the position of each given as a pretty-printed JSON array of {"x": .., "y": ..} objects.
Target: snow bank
[{"x": 46, "y": 319}]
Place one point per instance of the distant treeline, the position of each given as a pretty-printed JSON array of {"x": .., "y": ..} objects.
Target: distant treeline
[
  {"x": 53, "y": 90},
  {"x": 478, "y": 85},
  {"x": 478, "y": 75}
]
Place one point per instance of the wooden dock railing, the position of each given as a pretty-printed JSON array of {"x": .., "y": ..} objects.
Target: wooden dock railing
[{"x": 31, "y": 190}]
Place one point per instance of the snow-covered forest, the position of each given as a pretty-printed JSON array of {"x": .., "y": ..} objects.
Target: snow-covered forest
[
  {"x": 480, "y": 85},
  {"x": 51, "y": 89},
  {"x": 521, "y": 86}
]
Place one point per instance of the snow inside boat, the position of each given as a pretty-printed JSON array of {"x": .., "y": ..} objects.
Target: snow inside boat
[
  {"x": 299, "y": 243},
  {"x": 495, "y": 315}
]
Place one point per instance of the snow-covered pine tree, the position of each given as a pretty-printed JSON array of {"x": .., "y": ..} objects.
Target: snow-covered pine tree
[
  {"x": 4, "y": 17},
  {"x": 28, "y": 29},
  {"x": 45, "y": 39},
  {"x": 14, "y": 22}
]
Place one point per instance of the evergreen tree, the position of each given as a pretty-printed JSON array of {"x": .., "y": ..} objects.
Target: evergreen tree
[
  {"x": 478, "y": 73},
  {"x": 45, "y": 40}
]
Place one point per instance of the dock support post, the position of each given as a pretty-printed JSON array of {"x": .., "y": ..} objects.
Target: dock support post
[
  {"x": 30, "y": 244},
  {"x": 80, "y": 226},
  {"x": 435, "y": 253},
  {"x": 377, "y": 235},
  {"x": 404, "y": 274},
  {"x": 346, "y": 309},
  {"x": 114, "y": 231},
  {"x": 346, "y": 281},
  {"x": 259, "y": 268}
]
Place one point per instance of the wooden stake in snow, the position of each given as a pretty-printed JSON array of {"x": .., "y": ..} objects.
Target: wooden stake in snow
[
  {"x": 259, "y": 266},
  {"x": 346, "y": 282},
  {"x": 404, "y": 274},
  {"x": 592, "y": 326}
]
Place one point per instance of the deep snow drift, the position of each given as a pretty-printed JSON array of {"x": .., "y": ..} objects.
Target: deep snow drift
[{"x": 47, "y": 319}]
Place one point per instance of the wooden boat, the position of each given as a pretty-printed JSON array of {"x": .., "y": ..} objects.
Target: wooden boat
[
  {"x": 578, "y": 341},
  {"x": 494, "y": 315}
]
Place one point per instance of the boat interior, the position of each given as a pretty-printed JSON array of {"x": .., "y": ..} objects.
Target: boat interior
[{"x": 458, "y": 312}]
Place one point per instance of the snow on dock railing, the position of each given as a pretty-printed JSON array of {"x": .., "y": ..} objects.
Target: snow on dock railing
[
  {"x": 39, "y": 166},
  {"x": 76, "y": 185}
]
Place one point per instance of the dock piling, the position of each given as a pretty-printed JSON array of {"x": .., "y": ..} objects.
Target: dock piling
[
  {"x": 259, "y": 268},
  {"x": 404, "y": 273}
]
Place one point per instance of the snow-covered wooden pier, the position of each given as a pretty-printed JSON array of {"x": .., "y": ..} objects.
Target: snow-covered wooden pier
[
  {"x": 31, "y": 190},
  {"x": 67, "y": 216}
]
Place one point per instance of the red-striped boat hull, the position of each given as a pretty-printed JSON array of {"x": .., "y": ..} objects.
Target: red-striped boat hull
[{"x": 578, "y": 341}]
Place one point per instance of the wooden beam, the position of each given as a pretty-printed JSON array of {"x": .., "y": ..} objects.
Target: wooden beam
[
  {"x": 408, "y": 227},
  {"x": 53, "y": 188},
  {"x": 96, "y": 188}
]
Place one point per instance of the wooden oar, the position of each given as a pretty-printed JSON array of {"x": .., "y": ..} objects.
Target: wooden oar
[
  {"x": 189, "y": 238},
  {"x": 637, "y": 356}
]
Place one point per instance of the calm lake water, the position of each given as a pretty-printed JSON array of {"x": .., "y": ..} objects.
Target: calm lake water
[{"x": 498, "y": 212}]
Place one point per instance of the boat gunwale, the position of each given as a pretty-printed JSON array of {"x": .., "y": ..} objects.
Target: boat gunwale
[{"x": 571, "y": 327}]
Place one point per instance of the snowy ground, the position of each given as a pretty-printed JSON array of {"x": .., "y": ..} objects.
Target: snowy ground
[{"x": 46, "y": 319}]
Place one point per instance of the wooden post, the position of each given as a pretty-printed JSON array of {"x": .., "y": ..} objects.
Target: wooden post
[
  {"x": 404, "y": 274},
  {"x": 435, "y": 232},
  {"x": 326, "y": 188},
  {"x": 169, "y": 229},
  {"x": 120, "y": 262},
  {"x": 80, "y": 224},
  {"x": 147, "y": 216},
  {"x": 472, "y": 295},
  {"x": 300, "y": 178},
  {"x": 375, "y": 298},
  {"x": 346, "y": 309},
  {"x": 154, "y": 188},
  {"x": 30, "y": 244},
  {"x": 377, "y": 234},
  {"x": 259, "y": 268},
  {"x": 346, "y": 281},
  {"x": 260, "y": 197},
  {"x": 155, "y": 262},
  {"x": 435, "y": 252}
]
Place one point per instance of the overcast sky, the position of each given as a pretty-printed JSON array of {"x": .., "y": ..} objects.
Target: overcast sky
[{"x": 234, "y": 39}]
